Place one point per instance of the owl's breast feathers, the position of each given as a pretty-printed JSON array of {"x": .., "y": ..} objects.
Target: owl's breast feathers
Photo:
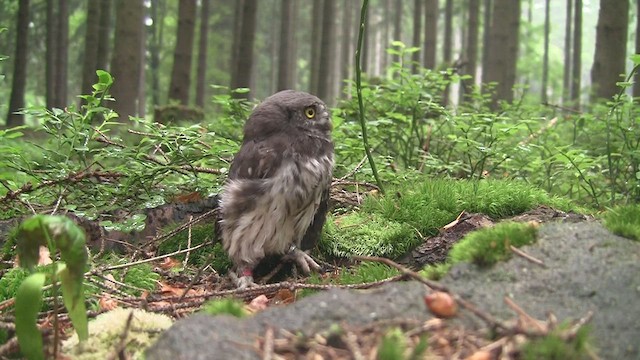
[{"x": 274, "y": 190}]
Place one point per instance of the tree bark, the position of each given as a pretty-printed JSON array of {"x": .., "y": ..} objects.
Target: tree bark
[
  {"x": 316, "y": 38},
  {"x": 125, "y": 63},
  {"x": 576, "y": 66},
  {"x": 636, "y": 84},
  {"x": 326, "y": 52},
  {"x": 104, "y": 35},
  {"x": 90, "y": 61},
  {"x": 51, "y": 55},
  {"x": 430, "y": 47},
  {"x": 448, "y": 44},
  {"x": 203, "y": 45},
  {"x": 415, "y": 57},
  {"x": 346, "y": 52},
  {"x": 235, "y": 47},
  {"x": 246, "y": 38},
  {"x": 181, "y": 70},
  {"x": 503, "y": 50},
  {"x": 545, "y": 56},
  {"x": 62, "y": 54},
  {"x": 285, "y": 61},
  {"x": 486, "y": 35},
  {"x": 611, "y": 47},
  {"x": 566, "y": 80},
  {"x": 472, "y": 47},
  {"x": 19, "y": 80},
  {"x": 397, "y": 26}
]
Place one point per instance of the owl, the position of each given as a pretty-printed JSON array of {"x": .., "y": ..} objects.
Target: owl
[{"x": 275, "y": 199}]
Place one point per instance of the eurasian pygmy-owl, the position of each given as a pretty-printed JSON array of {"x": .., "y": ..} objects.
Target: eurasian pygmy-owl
[{"x": 275, "y": 199}]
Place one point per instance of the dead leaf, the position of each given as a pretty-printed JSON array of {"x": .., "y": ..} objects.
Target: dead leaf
[
  {"x": 170, "y": 263},
  {"x": 283, "y": 296},
  {"x": 258, "y": 304},
  {"x": 106, "y": 302}
]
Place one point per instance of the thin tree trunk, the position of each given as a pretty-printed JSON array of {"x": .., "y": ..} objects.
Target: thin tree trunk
[
  {"x": 235, "y": 47},
  {"x": 154, "y": 51},
  {"x": 576, "y": 66},
  {"x": 472, "y": 47},
  {"x": 316, "y": 38},
  {"x": 365, "y": 59},
  {"x": 415, "y": 57},
  {"x": 397, "y": 26},
  {"x": 181, "y": 70},
  {"x": 636, "y": 84},
  {"x": 245, "y": 52},
  {"x": 545, "y": 56},
  {"x": 104, "y": 39},
  {"x": 566, "y": 80},
  {"x": 90, "y": 61},
  {"x": 203, "y": 45},
  {"x": 386, "y": 35},
  {"x": 326, "y": 52},
  {"x": 346, "y": 54},
  {"x": 51, "y": 55},
  {"x": 486, "y": 35},
  {"x": 62, "y": 54},
  {"x": 611, "y": 47},
  {"x": 142, "y": 78},
  {"x": 19, "y": 80},
  {"x": 448, "y": 43},
  {"x": 285, "y": 61},
  {"x": 431, "y": 13}
]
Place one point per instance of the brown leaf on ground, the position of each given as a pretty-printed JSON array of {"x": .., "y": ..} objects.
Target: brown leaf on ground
[
  {"x": 106, "y": 302},
  {"x": 169, "y": 263}
]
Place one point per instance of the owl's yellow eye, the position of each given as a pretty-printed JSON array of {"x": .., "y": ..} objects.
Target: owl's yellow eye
[{"x": 310, "y": 112}]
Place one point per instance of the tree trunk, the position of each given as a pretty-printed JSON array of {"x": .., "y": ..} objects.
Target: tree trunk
[
  {"x": 90, "y": 61},
  {"x": 346, "y": 52},
  {"x": 386, "y": 36},
  {"x": 125, "y": 63},
  {"x": 636, "y": 84},
  {"x": 545, "y": 56},
  {"x": 235, "y": 47},
  {"x": 415, "y": 57},
  {"x": 181, "y": 70},
  {"x": 566, "y": 80},
  {"x": 19, "y": 80},
  {"x": 611, "y": 47},
  {"x": 448, "y": 44},
  {"x": 142, "y": 79},
  {"x": 244, "y": 65},
  {"x": 316, "y": 38},
  {"x": 397, "y": 26},
  {"x": 157, "y": 18},
  {"x": 326, "y": 52},
  {"x": 366, "y": 52},
  {"x": 62, "y": 54},
  {"x": 203, "y": 43},
  {"x": 51, "y": 55},
  {"x": 472, "y": 47},
  {"x": 503, "y": 49},
  {"x": 104, "y": 40},
  {"x": 486, "y": 35},
  {"x": 576, "y": 66},
  {"x": 286, "y": 59},
  {"x": 431, "y": 13}
]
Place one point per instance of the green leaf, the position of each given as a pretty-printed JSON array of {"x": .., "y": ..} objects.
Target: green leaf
[
  {"x": 104, "y": 77},
  {"x": 28, "y": 303},
  {"x": 73, "y": 298},
  {"x": 635, "y": 58}
]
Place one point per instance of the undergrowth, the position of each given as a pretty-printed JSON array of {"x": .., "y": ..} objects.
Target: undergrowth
[{"x": 624, "y": 221}]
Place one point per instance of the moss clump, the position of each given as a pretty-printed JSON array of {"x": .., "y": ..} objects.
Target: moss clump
[
  {"x": 231, "y": 307},
  {"x": 554, "y": 347},
  {"x": 10, "y": 282},
  {"x": 435, "y": 271},
  {"x": 487, "y": 246},
  {"x": 431, "y": 203},
  {"x": 199, "y": 234},
  {"x": 624, "y": 221},
  {"x": 366, "y": 234},
  {"x": 141, "y": 276}
]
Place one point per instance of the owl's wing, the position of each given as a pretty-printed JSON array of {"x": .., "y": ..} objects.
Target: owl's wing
[
  {"x": 314, "y": 231},
  {"x": 256, "y": 160}
]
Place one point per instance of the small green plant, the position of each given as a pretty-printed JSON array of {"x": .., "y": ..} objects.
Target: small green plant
[
  {"x": 58, "y": 234},
  {"x": 554, "y": 347},
  {"x": 624, "y": 220},
  {"x": 231, "y": 307},
  {"x": 141, "y": 276},
  {"x": 487, "y": 246},
  {"x": 393, "y": 345}
]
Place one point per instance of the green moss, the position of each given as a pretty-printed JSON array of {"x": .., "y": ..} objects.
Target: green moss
[
  {"x": 225, "y": 306},
  {"x": 435, "y": 271},
  {"x": 366, "y": 234},
  {"x": 554, "y": 347},
  {"x": 141, "y": 276},
  {"x": 203, "y": 233},
  {"x": 9, "y": 246},
  {"x": 624, "y": 221},
  {"x": 10, "y": 282},
  {"x": 393, "y": 345},
  {"x": 487, "y": 246}
]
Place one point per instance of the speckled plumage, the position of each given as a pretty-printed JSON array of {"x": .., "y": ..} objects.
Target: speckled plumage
[{"x": 278, "y": 183}]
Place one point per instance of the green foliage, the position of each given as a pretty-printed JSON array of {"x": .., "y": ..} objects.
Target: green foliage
[
  {"x": 624, "y": 221},
  {"x": 56, "y": 233},
  {"x": 487, "y": 246},
  {"x": 367, "y": 234},
  {"x": 393, "y": 345},
  {"x": 553, "y": 347},
  {"x": 175, "y": 113},
  {"x": 436, "y": 271},
  {"x": 141, "y": 276},
  {"x": 231, "y": 307}
]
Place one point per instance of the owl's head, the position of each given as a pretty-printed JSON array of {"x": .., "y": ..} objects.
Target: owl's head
[{"x": 287, "y": 111}]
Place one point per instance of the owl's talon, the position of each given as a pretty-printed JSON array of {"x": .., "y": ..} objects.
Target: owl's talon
[
  {"x": 304, "y": 261},
  {"x": 242, "y": 282}
]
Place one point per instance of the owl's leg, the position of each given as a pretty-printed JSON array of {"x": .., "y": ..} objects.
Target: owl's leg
[
  {"x": 302, "y": 259},
  {"x": 245, "y": 278}
]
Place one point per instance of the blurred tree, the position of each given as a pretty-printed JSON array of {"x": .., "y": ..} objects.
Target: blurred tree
[
  {"x": 471, "y": 50},
  {"x": 431, "y": 14},
  {"x": 566, "y": 80},
  {"x": 346, "y": 53},
  {"x": 636, "y": 83},
  {"x": 19, "y": 79},
  {"x": 91, "y": 38},
  {"x": 417, "y": 13},
  {"x": 125, "y": 63},
  {"x": 448, "y": 43},
  {"x": 316, "y": 38},
  {"x": 62, "y": 54},
  {"x": 397, "y": 25},
  {"x": 576, "y": 66},
  {"x": 327, "y": 53},
  {"x": 104, "y": 34},
  {"x": 203, "y": 45},
  {"x": 486, "y": 34},
  {"x": 245, "y": 42},
  {"x": 503, "y": 49},
  {"x": 545, "y": 55},
  {"x": 235, "y": 44},
  {"x": 182, "y": 55},
  {"x": 158, "y": 11},
  {"x": 611, "y": 48},
  {"x": 286, "y": 59}
]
